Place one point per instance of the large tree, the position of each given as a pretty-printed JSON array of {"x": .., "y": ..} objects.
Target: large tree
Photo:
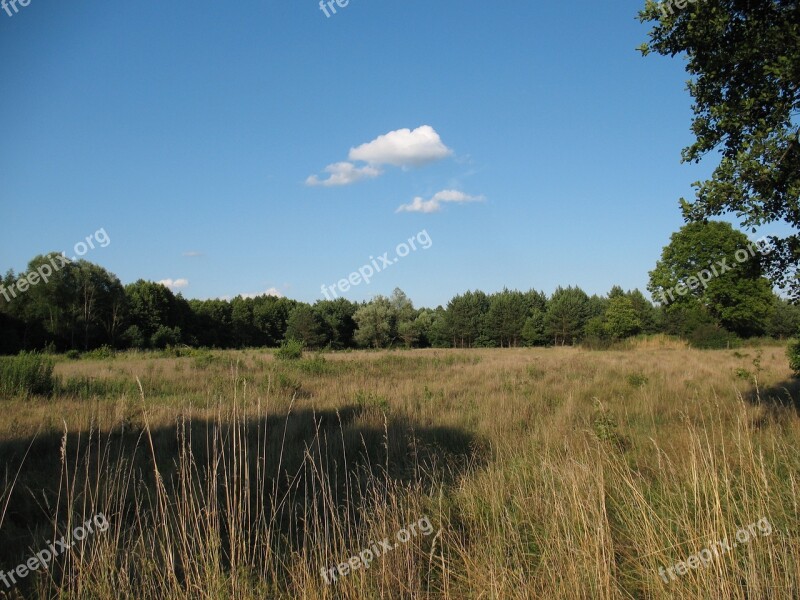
[
  {"x": 567, "y": 313},
  {"x": 374, "y": 321},
  {"x": 743, "y": 57},
  {"x": 711, "y": 267},
  {"x": 466, "y": 318}
]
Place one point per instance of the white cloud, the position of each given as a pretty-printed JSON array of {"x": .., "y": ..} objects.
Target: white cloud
[
  {"x": 403, "y": 148},
  {"x": 419, "y": 204},
  {"x": 343, "y": 173},
  {"x": 174, "y": 284},
  {"x": 270, "y": 292}
]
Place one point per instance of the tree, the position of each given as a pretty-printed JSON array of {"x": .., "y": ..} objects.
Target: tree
[
  {"x": 533, "y": 331},
  {"x": 337, "y": 319},
  {"x": 707, "y": 268},
  {"x": 374, "y": 322},
  {"x": 621, "y": 320},
  {"x": 403, "y": 323},
  {"x": 785, "y": 321},
  {"x": 506, "y": 317},
  {"x": 304, "y": 325},
  {"x": 465, "y": 318},
  {"x": 152, "y": 306},
  {"x": 438, "y": 334},
  {"x": 645, "y": 312},
  {"x": 566, "y": 316},
  {"x": 744, "y": 61}
]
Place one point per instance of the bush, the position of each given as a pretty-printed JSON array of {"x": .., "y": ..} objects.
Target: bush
[
  {"x": 87, "y": 387},
  {"x": 72, "y": 354},
  {"x": 26, "y": 374},
  {"x": 166, "y": 336},
  {"x": 204, "y": 360},
  {"x": 315, "y": 366},
  {"x": 709, "y": 336},
  {"x": 133, "y": 337},
  {"x": 637, "y": 380},
  {"x": 793, "y": 352},
  {"x": 101, "y": 353},
  {"x": 290, "y": 350},
  {"x": 286, "y": 382}
]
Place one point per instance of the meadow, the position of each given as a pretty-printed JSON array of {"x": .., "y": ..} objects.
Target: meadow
[{"x": 545, "y": 473}]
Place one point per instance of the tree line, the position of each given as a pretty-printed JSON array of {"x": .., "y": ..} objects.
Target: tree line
[{"x": 83, "y": 306}]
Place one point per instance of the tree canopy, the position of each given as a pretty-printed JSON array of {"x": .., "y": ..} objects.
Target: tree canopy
[{"x": 743, "y": 58}]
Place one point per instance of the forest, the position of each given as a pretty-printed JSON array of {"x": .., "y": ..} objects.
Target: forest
[{"x": 83, "y": 307}]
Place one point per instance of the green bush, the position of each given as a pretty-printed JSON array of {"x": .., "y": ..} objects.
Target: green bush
[
  {"x": 133, "y": 337},
  {"x": 26, "y": 374},
  {"x": 315, "y": 366},
  {"x": 286, "y": 382},
  {"x": 290, "y": 350},
  {"x": 101, "y": 353},
  {"x": 712, "y": 337},
  {"x": 166, "y": 336},
  {"x": 204, "y": 360},
  {"x": 88, "y": 387},
  {"x": 794, "y": 357},
  {"x": 72, "y": 354},
  {"x": 372, "y": 400},
  {"x": 637, "y": 380}
]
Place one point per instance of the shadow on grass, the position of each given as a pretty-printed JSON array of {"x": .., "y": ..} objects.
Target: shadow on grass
[
  {"x": 306, "y": 462},
  {"x": 783, "y": 395}
]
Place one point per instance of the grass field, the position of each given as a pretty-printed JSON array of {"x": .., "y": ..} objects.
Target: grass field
[{"x": 545, "y": 473}]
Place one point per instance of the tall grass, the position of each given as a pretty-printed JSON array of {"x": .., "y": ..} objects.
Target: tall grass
[
  {"x": 26, "y": 374},
  {"x": 546, "y": 474}
]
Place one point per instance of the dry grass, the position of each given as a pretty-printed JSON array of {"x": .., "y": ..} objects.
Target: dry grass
[{"x": 547, "y": 473}]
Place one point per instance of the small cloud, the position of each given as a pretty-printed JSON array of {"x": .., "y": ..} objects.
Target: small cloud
[
  {"x": 421, "y": 205},
  {"x": 403, "y": 148},
  {"x": 343, "y": 173},
  {"x": 270, "y": 292},
  {"x": 193, "y": 253},
  {"x": 174, "y": 284}
]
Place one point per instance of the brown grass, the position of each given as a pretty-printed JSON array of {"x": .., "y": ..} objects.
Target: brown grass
[{"x": 547, "y": 473}]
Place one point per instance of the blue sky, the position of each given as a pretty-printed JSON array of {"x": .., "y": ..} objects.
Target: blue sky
[{"x": 193, "y": 128}]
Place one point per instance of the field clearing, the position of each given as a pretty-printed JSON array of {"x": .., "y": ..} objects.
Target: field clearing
[{"x": 546, "y": 473}]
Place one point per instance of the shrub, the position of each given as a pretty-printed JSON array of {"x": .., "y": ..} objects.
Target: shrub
[
  {"x": 88, "y": 387},
  {"x": 315, "y": 366},
  {"x": 101, "y": 353},
  {"x": 794, "y": 357},
  {"x": 709, "y": 336},
  {"x": 367, "y": 400},
  {"x": 204, "y": 360},
  {"x": 605, "y": 427},
  {"x": 165, "y": 336},
  {"x": 26, "y": 374},
  {"x": 291, "y": 349},
  {"x": 286, "y": 382},
  {"x": 637, "y": 380},
  {"x": 133, "y": 337},
  {"x": 72, "y": 354}
]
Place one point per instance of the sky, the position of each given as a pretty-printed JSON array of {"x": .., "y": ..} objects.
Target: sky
[{"x": 260, "y": 146}]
